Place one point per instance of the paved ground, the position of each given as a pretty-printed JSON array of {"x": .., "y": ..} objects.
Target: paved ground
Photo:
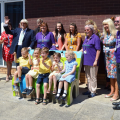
[{"x": 14, "y": 108}]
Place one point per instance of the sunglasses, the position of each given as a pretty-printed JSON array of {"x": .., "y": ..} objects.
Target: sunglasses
[{"x": 116, "y": 21}]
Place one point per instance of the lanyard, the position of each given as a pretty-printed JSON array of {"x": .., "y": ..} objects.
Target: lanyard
[
  {"x": 71, "y": 39},
  {"x": 107, "y": 38},
  {"x": 43, "y": 38}
]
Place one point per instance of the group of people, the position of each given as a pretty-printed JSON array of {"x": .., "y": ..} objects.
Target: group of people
[{"x": 20, "y": 40}]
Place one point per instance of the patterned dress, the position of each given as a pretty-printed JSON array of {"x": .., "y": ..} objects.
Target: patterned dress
[
  {"x": 109, "y": 50},
  {"x": 5, "y": 51},
  {"x": 72, "y": 42}
]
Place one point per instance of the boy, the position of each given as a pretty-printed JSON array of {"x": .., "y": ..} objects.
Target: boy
[
  {"x": 23, "y": 67},
  {"x": 44, "y": 71}
]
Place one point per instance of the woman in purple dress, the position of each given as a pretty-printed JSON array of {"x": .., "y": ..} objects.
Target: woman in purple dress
[{"x": 45, "y": 38}]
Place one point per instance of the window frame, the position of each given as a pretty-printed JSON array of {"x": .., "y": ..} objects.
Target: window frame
[{"x": 2, "y": 2}]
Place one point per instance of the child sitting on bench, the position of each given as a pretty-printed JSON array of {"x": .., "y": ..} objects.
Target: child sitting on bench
[
  {"x": 57, "y": 66},
  {"x": 69, "y": 75},
  {"x": 44, "y": 71},
  {"x": 23, "y": 68},
  {"x": 33, "y": 73}
]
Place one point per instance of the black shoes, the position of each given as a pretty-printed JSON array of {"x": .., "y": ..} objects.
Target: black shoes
[
  {"x": 25, "y": 90},
  {"x": 29, "y": 91},
  {"x": 116, "y": 105}
]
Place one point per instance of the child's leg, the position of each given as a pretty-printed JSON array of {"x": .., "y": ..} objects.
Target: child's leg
[
  {"x": 65, "y": 88},
  {"x": 38, "y": 90},
  {"x": 55, "y": 82},
  {"x": 59, "y": 88},
  {"x": 30, "y": 82},
  {"x": 50, "y": 83},
  {"x": 15, "y": 75},
  {"x": 19, "y": 69},
  {"x": 45, "y": 90},
  {"x": 27, "y": 80}
]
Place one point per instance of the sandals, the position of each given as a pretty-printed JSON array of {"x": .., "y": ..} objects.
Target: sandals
[
  {"x": 48, "y": 91},
  {"x": 37, "y": 101},
  {"x": 57, "y": 97},
  {"x": 44, "y": 102},
  {"x": 7, "y": 79},
  {"x": 54, "y": 91},
  {"x": 63, "y": 97}
]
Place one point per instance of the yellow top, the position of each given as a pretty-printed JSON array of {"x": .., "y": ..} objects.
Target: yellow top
[
  {"x": 24, "y": 62},
  {"x": 72, "y": 42},
  {"x": 43, "y": 69}
]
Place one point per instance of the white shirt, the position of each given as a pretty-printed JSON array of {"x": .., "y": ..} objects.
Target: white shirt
[{"x": 24, "y": 31}]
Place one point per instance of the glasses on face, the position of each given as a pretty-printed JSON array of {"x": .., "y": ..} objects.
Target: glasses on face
[
  {"x": 87, "y": 30},
  {"x": 116, "y": 21}
]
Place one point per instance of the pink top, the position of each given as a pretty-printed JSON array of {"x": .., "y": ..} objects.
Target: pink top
[{"x": 59, "y": 44}]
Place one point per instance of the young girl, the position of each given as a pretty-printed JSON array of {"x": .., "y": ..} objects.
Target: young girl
[
  {"x": 55, "y": 75},
  {"x": 33, "y": 73},
  {"x": 69, "y": 75}
]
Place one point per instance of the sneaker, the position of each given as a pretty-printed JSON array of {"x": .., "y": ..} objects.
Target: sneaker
[
  {"x": 86, "y": 93},
  {"x": 15, "y": 88},
  {"x": 29, "y": 91},
  {"x": 25, "y": 91},
  {"x": 17, "y": 80},
  {"x": 92, "y": 95}
]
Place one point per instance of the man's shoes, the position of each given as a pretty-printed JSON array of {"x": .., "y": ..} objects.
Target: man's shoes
[
  {"x": 116, "y": 103},
  {"x": 17, "y": 80},
  {"x": 117, "y": 107},
  {"x": 86, "y": 93},
  {"x": 29, "y": 91},
  {"x": 25, "y": 91},
  {"x": 92, "y": 95}
]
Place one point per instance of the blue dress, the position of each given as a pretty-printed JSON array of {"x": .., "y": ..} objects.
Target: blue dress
[{"x": 69, "y": 67}]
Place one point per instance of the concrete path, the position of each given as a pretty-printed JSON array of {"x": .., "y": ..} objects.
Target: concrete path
[{"x": 83, "y": 108}]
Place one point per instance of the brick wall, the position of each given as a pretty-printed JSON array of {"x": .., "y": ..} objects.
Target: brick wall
[{"x": 67, "y": 11}]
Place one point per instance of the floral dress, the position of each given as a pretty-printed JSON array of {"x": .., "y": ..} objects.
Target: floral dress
[
  {"x": 109, "y": 49},
  {"x": 72, "y": 42},
  {"x": 6, "y": 47}
]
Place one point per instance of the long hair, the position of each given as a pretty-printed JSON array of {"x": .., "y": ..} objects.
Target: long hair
[
  {"x": 75, "y": 31},
  {"x": 111, "y": 26},
  {"x": 62, "y": 32},
  {"x": 44, "y": 24}
]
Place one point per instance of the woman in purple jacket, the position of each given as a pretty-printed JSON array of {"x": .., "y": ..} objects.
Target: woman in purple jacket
[
  {"x": 91, "y": 52},
  {"x": 45, "y": 38}
]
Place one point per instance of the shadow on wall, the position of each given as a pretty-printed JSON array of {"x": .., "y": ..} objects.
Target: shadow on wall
[{"x": 50, "y": 8}]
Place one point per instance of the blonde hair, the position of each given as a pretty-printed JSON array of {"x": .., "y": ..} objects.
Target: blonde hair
[
  {"x": 111, "y": 26},
  {"x": 38, "y": 49},
  {"x": 45, "y": 49},
  {"x": 70, "y": 53},
  {"x": 91, "y": 22},
  {"x": 24, "y": 21},
  {"x": 25, "y": 49}
]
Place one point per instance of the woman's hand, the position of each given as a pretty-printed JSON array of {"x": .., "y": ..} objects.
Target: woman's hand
[
  {"x": 95, "y": 63},
  {"x": 81, "y": 50},
  {"x": 6, "y": 19}
]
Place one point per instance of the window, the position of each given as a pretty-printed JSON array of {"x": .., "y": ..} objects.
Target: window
[{"x": 15, "y": 10}]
